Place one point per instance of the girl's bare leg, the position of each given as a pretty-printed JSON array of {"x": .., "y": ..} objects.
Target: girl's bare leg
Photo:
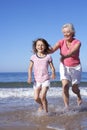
[
  {"x": 43, "y": 98},
  {"x": 37, "y": 98}
]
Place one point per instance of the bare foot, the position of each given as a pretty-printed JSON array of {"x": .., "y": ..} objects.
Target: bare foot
[
  {"x": 79, "y": 102},
  {"x": 66, "y": 109},
  {"x": 40, "y": 109}
]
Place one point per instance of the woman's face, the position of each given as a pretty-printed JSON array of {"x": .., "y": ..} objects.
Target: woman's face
[{"x": 68, "y": 35}]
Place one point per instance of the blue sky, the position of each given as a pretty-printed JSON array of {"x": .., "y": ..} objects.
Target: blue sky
[{"x": 22, "y": 21}]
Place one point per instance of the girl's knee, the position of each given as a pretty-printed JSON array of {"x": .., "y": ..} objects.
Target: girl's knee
[
  {"x": 42, "y": 98},
  {"x": 36, "y": 98}
]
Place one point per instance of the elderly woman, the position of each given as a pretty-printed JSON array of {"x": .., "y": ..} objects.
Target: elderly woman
[{"x": 70, "y": 65}]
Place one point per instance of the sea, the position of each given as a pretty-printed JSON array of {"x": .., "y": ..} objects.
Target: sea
[
  {"x": 22, "y": 77},
  {"x": 18, "y": 108},
  {"x": 14, "y": 89}
]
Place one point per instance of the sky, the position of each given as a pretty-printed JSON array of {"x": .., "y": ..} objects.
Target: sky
[{"x": 23, "y": 21}]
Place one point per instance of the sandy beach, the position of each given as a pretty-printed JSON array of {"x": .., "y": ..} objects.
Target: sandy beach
[{"x": 28, "y": 118}]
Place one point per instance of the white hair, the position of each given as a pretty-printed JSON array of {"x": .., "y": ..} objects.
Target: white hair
[{"x": 70, "y": 26}]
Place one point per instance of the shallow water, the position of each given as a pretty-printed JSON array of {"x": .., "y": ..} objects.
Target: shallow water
[
  {"x": 19, "y": 110},
  {"x": 26, "y": 115}
]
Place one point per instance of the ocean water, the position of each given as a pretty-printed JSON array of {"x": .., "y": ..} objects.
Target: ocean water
[
  {"x": 10, "y": 97},
  {"x": 22, "y": 77}
]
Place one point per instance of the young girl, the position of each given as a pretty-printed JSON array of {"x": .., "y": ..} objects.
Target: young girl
[{"x": 39, "y": 62}]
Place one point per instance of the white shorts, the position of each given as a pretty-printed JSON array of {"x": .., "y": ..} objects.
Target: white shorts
[
  {"x": 43, "y": 84},
  {"x": 73, "y": 74}
]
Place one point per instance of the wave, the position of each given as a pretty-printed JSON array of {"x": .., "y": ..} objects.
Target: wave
[{"x": 29, "y": 92}]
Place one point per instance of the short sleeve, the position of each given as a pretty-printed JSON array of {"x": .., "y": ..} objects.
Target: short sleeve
[
  {"x": 32, "y": 58},
  {"x": 49, "y": 58}
]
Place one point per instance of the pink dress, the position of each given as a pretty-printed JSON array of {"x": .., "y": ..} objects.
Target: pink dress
[{"x": 40, "y": 66}]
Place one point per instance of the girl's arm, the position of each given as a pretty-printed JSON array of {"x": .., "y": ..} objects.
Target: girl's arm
[
  {"x": 53, "y": 76},
  {"x": 30, "y": 72}
]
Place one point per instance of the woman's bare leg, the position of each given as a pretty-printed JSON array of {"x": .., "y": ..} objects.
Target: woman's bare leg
[
  {"x": 75, "y": 89},
  {"x": 65, "y": 87}
]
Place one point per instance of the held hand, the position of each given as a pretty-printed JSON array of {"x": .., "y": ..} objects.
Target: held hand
[{"x": 50, "y": 50}]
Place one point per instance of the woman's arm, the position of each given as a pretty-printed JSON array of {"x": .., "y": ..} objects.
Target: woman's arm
[
  {"x": 73, "y": 51},
  {"x": 54, "y": 48}
]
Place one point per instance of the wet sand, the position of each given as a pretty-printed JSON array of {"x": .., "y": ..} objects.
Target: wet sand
[{"x": 28, "y": 118}]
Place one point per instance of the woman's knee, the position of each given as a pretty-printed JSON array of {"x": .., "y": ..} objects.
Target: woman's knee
[
  {"x": 75, "y": 88},
  {"x": 65, "y": 85},
  {"x": 65, "y": 88}
]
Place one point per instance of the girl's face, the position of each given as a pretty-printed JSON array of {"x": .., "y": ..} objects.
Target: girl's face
[
  {"x": 68, "y": 35},
  {"x": 40, "y": 47}
]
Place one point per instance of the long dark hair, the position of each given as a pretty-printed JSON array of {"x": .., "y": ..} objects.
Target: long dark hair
[{"x": 47, "y": 49}]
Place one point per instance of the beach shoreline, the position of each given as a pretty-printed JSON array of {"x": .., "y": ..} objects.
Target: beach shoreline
[
  {"x": 18, "y": 110},
  {"x": 28, "y": 118}
]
